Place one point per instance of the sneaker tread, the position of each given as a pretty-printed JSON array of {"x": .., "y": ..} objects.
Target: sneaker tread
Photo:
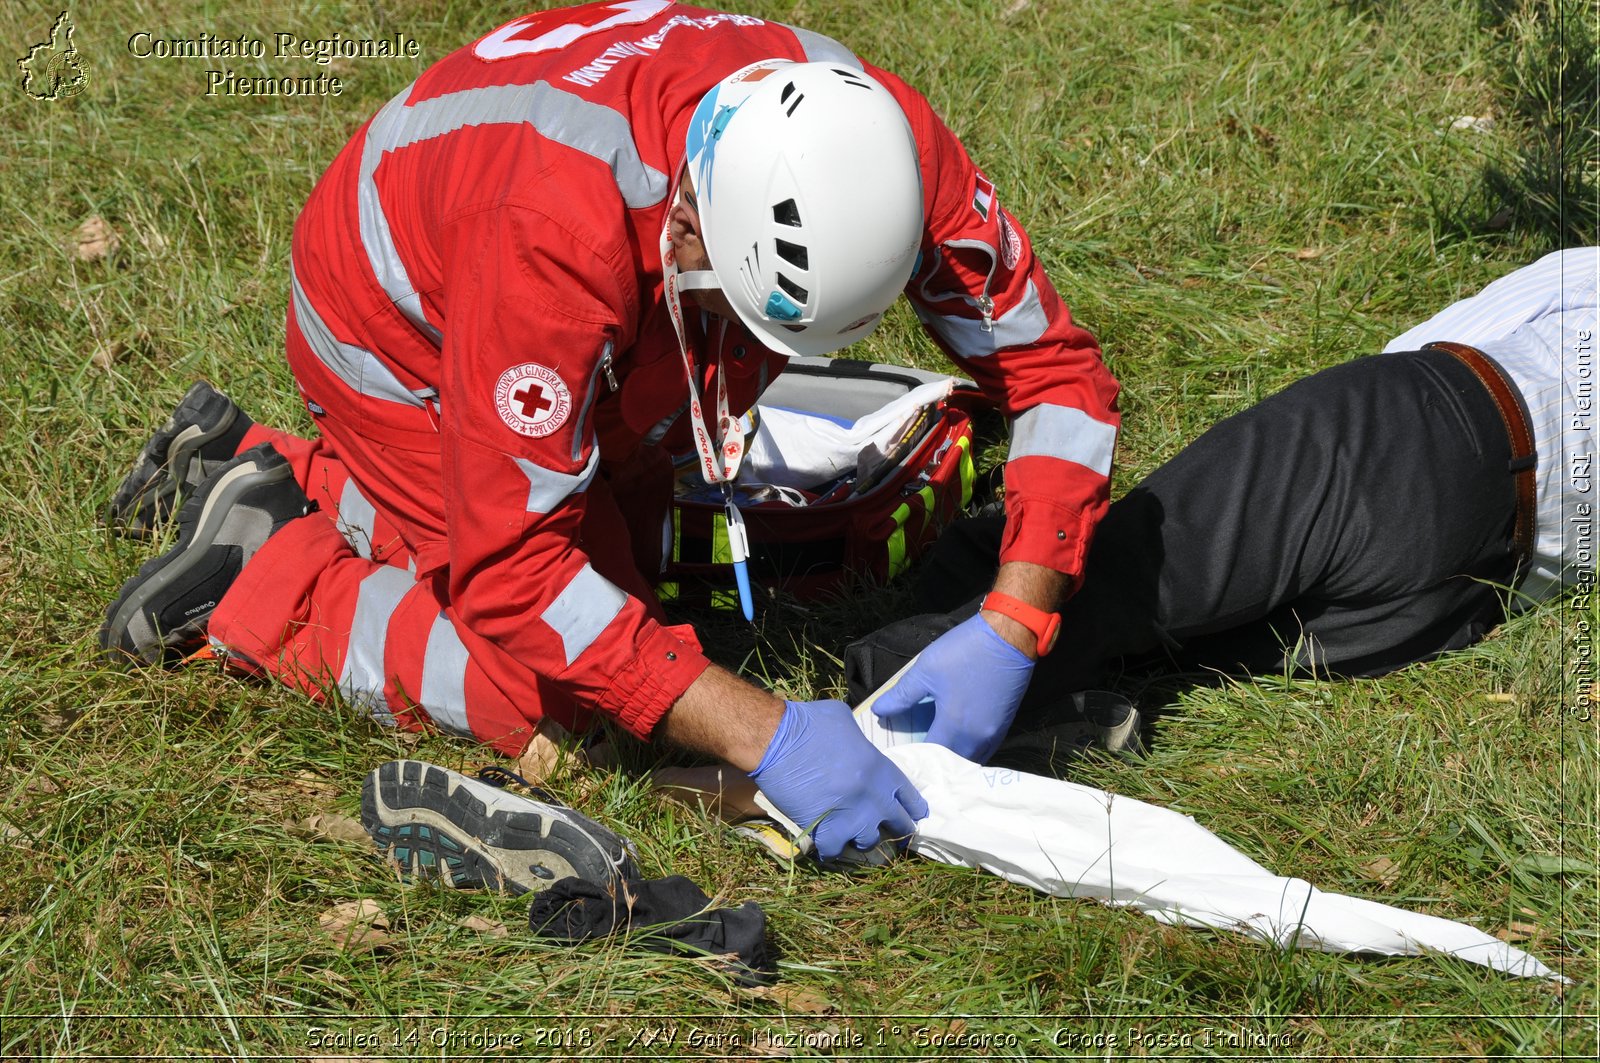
[{"x": 423, "y": 817}]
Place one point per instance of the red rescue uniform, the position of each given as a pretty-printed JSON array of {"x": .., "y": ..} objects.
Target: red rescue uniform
[{"x": 477, "y": 325}]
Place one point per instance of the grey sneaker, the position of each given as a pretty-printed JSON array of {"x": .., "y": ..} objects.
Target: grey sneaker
[
  {"x": 162, "y": 612},
  {"x": 203, "y": 434},
  {"x": 470, "y": 833}
]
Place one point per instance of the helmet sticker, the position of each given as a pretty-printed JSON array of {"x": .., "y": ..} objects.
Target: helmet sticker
[
  {"x": 859, "y": 323},
  {"x": 532, "y": 400},
  {"x": 705, "y": 129},
  {"x": 712, "y": 115}
]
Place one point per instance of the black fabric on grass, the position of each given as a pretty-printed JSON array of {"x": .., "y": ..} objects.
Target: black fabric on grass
[
  {"x": 1353, "y": 523},
  {"x": 667, "y": 915}
]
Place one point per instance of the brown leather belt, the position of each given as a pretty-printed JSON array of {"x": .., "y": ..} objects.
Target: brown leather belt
[{"x": 1520, "y": 433}]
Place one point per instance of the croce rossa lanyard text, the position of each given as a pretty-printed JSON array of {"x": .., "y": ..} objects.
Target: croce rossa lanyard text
[{"x": 720, "y": 454}]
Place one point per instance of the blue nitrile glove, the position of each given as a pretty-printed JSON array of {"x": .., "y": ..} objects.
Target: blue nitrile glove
[
  {"x": 819, "y": 766},
  {"x": 975, "y": 680}
]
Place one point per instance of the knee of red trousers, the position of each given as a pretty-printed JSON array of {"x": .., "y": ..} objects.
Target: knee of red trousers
[
  {"x": 312, "y": 613},
  {"x": 329, "y": 483}
]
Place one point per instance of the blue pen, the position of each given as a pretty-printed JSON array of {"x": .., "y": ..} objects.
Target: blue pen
[{"x": 739, "y": 551}]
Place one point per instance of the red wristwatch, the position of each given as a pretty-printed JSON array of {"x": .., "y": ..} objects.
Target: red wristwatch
[{"x": 1045, "y": 626}]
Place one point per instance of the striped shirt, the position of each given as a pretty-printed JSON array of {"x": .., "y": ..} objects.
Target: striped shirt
[{"x": 1539, "y": 323}]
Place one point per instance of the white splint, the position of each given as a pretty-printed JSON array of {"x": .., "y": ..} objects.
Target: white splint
[
  {"x": 1075, "y": 841},
  {"x": 1070, "y": 840}
]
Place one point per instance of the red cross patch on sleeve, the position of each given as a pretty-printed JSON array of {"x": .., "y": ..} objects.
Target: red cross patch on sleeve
[{"x": 532, "y": 400}]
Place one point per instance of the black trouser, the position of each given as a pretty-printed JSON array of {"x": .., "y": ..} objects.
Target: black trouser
[{"x": 1355, "y": 522}]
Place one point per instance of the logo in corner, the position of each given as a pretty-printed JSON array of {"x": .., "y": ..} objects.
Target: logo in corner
[
  {"x": 532, "y": 400},
  {"x": 53, "y": 70}
]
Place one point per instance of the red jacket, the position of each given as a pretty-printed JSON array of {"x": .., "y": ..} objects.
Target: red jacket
[{"x": 485, "y": 252}]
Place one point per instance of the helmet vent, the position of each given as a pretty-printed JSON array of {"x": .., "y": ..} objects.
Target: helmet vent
[
  {"x": 799, "y": 97},
  {"x": 786, "y": 213},
  {"x": 794, "y": 254},
  {"x": 851, "y": 77},
  {"x": 799, "y": 294}
]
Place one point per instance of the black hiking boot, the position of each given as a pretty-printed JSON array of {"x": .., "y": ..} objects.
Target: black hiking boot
[
  {"x": 202, "y": 435},
  {"x": 162, "y": 613}
]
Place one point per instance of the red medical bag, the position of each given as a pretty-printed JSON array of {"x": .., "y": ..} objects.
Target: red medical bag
[{"x": 855, "y": 531}]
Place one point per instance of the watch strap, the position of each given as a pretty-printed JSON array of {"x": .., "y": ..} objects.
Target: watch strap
[{"x": 1045, "y": 626}]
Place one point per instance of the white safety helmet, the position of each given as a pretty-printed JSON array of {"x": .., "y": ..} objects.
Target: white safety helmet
[{"x": 810, "y": 200}]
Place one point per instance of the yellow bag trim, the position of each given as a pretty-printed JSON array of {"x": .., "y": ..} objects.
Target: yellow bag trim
[
  {"x": 897, "y": 540},
  {"x": 969, "y": 471},
  {"x": 721, "y": 552}
]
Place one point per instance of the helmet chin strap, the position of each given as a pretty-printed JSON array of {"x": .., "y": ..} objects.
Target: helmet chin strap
[{"x": 698, "y": 280}]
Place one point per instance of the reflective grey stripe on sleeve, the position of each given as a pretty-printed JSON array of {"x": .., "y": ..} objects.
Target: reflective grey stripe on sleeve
[
  {"x": 547, "y": 489},
  {"x": 373, "y": 224},
  {"x": 357, "y": 517},
  {"x": 820, "y": 49},
  {"x": 583, "y": 609},
  {"x": 358, "y": 367},
  {"x": 363, "y": 677},
  {"x": 1063, "y": 432},
  {"x": 592, "y": 128},
  {"x": 1021, "y": 325},
  {"x": 444, "y": 678}
]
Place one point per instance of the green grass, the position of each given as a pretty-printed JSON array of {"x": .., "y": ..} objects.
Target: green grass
[{"x": 1231, "y": 195}]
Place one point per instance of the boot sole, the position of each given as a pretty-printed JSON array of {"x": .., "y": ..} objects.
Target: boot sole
[
  {"x": 194, "y": 539},
  {"x": 469, "y": 835}
]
